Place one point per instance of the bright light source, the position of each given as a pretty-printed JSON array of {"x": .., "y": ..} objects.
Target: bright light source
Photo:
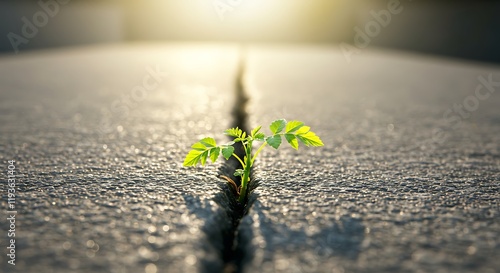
[{"x": 236, "y": 20}]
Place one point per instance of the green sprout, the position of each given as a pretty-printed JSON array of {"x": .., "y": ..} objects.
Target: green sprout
[{"x": 293, "y": 131}]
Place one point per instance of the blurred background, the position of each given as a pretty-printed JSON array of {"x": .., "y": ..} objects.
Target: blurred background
[{"x": 461, "y": 29}]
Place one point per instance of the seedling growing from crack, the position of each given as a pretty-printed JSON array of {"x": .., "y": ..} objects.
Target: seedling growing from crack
[{"x": 293, "y": 131}]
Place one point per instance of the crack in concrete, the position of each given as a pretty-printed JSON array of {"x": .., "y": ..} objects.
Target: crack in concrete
[{"x": 233, "y": 253}]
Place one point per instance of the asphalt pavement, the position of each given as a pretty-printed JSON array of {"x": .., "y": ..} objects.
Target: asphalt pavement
[
  {"x": 408, "y": 179},
  {"x": 99, "y": 135}
]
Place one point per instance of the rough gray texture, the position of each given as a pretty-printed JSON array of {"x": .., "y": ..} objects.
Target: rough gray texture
[
  {"x": 384, "y": 194},
  {"x": 104, "y": 191}
]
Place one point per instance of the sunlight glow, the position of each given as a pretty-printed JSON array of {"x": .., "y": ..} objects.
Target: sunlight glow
[{"x": 237, "y": 20}]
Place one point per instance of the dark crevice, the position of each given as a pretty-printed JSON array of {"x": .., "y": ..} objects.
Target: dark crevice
[{"x": 233, "y": 253}]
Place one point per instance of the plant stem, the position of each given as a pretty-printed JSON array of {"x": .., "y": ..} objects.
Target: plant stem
[
  {"x": 239, "y": 159},
  {"x": 244, "y": 145},
  {"x": 258, "y": 151},
  {"x": 246, "y": 174}
]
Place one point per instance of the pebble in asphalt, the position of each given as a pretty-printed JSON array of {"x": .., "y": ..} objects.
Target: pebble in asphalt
[
  {"x": 388, "y": 192},
  {"x": 99, "y": 135}
]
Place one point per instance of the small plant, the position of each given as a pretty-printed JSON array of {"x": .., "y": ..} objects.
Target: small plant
[{"x": 293, "y": 131}]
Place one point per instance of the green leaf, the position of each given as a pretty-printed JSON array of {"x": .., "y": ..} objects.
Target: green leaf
[
  {"x": 227, "y": 152},
  {"x": 199, "y": 147},
  {"x": 303, "y": 130},
  {"x": 277, "y": 126},
  {"x": 259, "y": 136},
  {"x": 234, "y": 132},
  {"x": 274, "y": 141},
  {"x": 208, "y": 142},
  {"x": 255, "y": 131},
  {"x": 310, "y": 139},
  {"x": 214, "y": 154},
  {"x": 293, "y": 126},
  {"x": 203, "y": 158},
  {"x": 292, "y": 140},
  {"x": 239, "y": 172},
  {"x": 192, "y": 158},
  {"x": 200, "y": 152}
]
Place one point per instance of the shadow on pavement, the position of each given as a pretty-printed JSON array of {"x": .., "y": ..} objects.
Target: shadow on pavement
[
  {"x": 218, "y": 228},
  {"x": 342, "y": 238}
]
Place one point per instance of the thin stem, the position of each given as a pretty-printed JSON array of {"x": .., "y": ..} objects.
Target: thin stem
[
  {"x": 258, "y": 151},
  {"x": 239, "y": 159},
  {"x": 246, "y": 173},
  {"x": 244, "y": 145}
]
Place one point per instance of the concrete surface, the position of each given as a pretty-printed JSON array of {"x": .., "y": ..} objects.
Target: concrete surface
[
  {"x": 101, "y": 187},
  {"x": 387, "y": 193},
  {"x": 101, "y": 184}
]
